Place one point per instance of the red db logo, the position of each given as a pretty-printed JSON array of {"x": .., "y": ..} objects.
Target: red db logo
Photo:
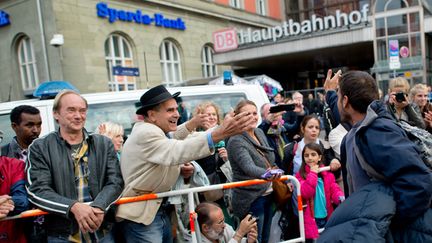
[{"x": 225, "y": 40}]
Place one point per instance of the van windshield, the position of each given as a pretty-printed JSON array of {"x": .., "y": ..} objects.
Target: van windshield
[{"x": 123, "y": 112}]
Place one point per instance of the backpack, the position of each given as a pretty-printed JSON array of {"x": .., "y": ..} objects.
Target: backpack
[{"x": 421, "y": 138}]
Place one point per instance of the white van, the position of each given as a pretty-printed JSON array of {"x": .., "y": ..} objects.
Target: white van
[{"x": 119, "y": 107}]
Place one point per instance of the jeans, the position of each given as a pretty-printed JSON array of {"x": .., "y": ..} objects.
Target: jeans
[
  {"x": 263, "y": 208},
  {"x": 159, "y": 231},
  {"x": 64, "y": 239}
]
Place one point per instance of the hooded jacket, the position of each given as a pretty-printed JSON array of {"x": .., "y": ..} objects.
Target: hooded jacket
[
  {"x": 387, "y": 149},
  {"x": 394, "y": 211}
]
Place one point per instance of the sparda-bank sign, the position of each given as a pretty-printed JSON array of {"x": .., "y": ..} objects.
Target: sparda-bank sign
[{"x": 158, "y": 19}]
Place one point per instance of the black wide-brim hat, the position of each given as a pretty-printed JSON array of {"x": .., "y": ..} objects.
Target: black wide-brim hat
[{"x": 154, "y": 96}]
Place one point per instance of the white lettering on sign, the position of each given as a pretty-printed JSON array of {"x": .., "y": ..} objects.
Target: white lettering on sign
[
  {"x": 292, "y": 28},
  {"x": 225, "y": 40}
]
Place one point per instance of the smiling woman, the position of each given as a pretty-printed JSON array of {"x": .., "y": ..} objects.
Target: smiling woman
[{"x": 251, "y": 156}]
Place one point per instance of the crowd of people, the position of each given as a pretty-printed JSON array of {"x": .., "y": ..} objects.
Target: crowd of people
[{"x": 347, "y": 148}]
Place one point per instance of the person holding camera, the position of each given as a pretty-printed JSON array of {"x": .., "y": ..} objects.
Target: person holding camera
[
  {"x": 214, "y": 229},
  {"x": 398, "y": 104}
]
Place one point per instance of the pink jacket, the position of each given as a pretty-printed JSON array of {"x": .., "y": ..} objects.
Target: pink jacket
[{"x": 308, "y": 187}]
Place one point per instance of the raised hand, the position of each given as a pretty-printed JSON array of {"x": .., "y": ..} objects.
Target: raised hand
[{"x": 331, "y": 83}]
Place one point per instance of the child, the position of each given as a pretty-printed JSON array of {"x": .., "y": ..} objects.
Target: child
[{"x": 319, "y": 191}]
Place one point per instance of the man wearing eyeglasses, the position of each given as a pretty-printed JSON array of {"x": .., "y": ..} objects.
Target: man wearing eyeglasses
[{"x": 74, "y": 175}]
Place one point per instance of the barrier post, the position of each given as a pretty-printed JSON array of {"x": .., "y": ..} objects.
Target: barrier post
[{"x": 192, "y": 217}]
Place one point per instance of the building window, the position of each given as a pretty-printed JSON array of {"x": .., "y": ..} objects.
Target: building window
[
  {"x": 207, "y": 64},
  {"x": 392, "y": 24},
  {"x": 118, "y": 52},
  {"x": 261, "y": 7},
  {"x": 27, "y": 64},
  {"x": 235, "y": 3},
  {"x": 170, "y": 63}
]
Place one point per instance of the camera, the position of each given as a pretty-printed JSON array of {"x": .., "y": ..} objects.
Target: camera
[
  {"x": 400, "y": 97},
  {"x": 284, "y": 107}
]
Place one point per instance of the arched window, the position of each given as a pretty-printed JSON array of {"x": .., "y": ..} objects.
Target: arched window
[
  {"x": 118, "y": 52},
  {"x": 170, "y": 63},
  {"x": 27, "y": 64},
  {"x": 207, "y": 64}
]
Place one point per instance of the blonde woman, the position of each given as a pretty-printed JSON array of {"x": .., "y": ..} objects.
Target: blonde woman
[
  {"x": 398, "y": 104},
  {"x": 419, "y": 95},
  {"x": 212, "y": 164},
  {"x": 115, "y": 132}
]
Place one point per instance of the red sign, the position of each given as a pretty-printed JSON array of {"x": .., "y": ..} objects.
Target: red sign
[
  {"x": 404, "y": 51},
  {"x": 225, "y": 40}
]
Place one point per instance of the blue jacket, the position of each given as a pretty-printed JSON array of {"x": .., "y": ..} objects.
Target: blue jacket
[
  {"x": 332, "y": 99},
  {"x": 386, "y": 147},
  {"x": 364, "y": 217}
]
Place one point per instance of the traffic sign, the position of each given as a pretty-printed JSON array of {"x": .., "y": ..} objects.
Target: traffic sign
[
  {"x": 125, "y": 71},
  {"x": 404, "y": 51},
  {"x": 394, "y": 62}
]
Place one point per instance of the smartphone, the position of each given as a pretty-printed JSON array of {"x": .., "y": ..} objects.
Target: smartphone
[
  {"x": 279, "y": 108},
  {"x": 400, "y": 97},
  {"x": 271, "y": 173},
  {"x": 252, "y": 217}
]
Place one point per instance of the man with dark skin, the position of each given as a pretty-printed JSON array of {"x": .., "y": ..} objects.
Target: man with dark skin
[{"x": 26, "y": 123}]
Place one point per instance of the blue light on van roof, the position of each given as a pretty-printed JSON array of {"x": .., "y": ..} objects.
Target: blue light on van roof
[{"x": 52, "y": 88}]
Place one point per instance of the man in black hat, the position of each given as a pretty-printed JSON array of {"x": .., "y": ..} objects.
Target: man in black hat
[{"x": 150, "y": 161}]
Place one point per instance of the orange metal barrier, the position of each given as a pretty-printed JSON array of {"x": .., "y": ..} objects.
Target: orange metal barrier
[{"x": 190, "y": 192}]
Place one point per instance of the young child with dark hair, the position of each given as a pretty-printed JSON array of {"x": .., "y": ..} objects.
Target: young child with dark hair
[{"x": 319, "y": 191}]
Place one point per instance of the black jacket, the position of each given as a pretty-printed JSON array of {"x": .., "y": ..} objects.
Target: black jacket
[{"x": 51, "y": 179}]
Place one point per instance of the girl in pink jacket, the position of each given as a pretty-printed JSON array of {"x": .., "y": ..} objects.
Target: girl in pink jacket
[{"x": 319, "y": 191}]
